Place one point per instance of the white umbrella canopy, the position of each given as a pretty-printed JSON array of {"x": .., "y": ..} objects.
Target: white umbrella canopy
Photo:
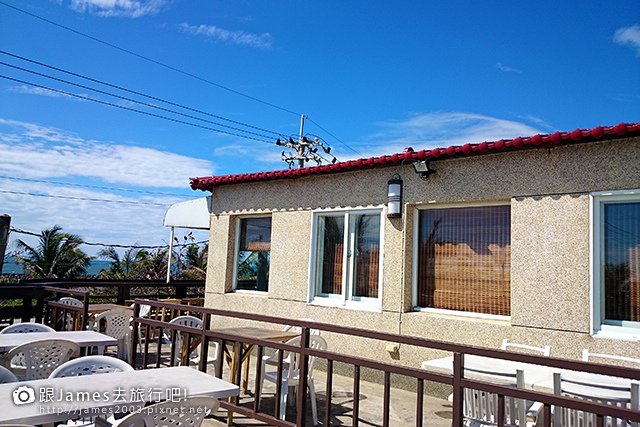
[{"x": 189, "y": 214}]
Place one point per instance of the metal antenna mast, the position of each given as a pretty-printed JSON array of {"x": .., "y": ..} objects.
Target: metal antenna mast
[{"x": 304, "y": 149}]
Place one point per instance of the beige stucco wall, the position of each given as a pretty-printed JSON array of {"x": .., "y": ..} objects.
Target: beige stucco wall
[{"x": 548, "y": 190}]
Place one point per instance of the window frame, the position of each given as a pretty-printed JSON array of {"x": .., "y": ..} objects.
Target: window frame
[
  {"x": 600, "y": 327},
  {"x": 236, "y": 249},
  {"x": 345, "y": 299},
  {"x": 415, "y": 254}
]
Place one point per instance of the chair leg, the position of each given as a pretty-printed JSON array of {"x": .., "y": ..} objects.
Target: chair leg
[
  {"x": 314, "y": 404},
  {"x": 283, "y": 398}
]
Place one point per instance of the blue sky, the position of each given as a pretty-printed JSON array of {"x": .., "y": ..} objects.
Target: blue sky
[{"x": 379, "y": 76}]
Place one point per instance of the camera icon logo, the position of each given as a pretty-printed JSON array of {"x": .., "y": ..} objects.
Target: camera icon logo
[{"x": 23, "y": 395}]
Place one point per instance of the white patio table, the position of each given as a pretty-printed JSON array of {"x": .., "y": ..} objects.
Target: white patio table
[
  {"x": 99, "y": 395},
  {"x": 82, "y": 338},
  {"x": 535, "y": 376}
]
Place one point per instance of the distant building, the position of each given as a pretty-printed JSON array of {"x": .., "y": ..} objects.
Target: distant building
[{"x": 534, "y": 239}]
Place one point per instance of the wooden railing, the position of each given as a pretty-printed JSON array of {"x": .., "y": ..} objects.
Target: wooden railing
[
  {"x": 457, "y": 380},
  {"x": 26, "y": 300}
]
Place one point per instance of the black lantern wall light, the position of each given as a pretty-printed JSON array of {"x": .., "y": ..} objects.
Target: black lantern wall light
[{"x": 394, "y": 197}]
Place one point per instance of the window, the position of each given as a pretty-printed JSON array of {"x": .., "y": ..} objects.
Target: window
[
  {"x": 346, "y": 257},
  {"x": 254, "y": 250},
  {"x": 464, "y": 259},
  {"x": 617, "y": 260}
]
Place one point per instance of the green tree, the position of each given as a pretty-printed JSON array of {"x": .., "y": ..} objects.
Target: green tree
[
  {"x": 153, "y": 265},
  {"x": 125, "y": 268},
  {"x": 194, "y": 262},
  {"x": 57, "y": 255}
]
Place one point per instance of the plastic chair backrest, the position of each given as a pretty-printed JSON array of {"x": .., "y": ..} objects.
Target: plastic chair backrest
[
  {"x": 625, "y": 397},
  {"x": 42, "y": 357},
  {"x": 482, "y": 408},
  {"x": 117, "y": 322},
  {"x": 545, "y": 350},
  {"x": 70, "y": 301},
  {"x": 26, "y": 327},
  {"x": 587, "y": 356},
  {"x": 189, "y": 321},
  {"x": 186, "y": 413},
  {"x": 6, "y": 376},
  {"x": 90, "y": 365},
  {"x": 293, "y": 359}
]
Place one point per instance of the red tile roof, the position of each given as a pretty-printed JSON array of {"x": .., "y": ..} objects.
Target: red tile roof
[{"x": 598, "y": 133}]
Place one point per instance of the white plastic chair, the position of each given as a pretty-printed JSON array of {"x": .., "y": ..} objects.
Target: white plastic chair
[
  {"x": 587, "y": 356},
  {"x": 270, "y": 355},
  {"x": 117, "y": 322},
  {"x": 545, "y": 350},
  {"x": 26, "y": 327},
  {"x": 145, "y": 309},
  {"x": 73, "y": 302},
  {"x": 586, "y": 390},
  {"x": 481, "y": 408},
  {"x": 39, "y": 358},
  {"x": 90, "y": 365},
  {"x": 194, "y": 356},
  {"x": 291, "y": 374},
  {"x": 185, "y": 413},
  {"x": 6, "y": 376}
]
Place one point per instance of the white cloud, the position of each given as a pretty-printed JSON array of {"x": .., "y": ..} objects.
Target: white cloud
[
  {"x": 125, "y": 8},
  {"x": 102, "y": 222},
  {"x": 629, "y": 36},
  {"x": 262, "y": 41},
  {"x": 34, "y": 151},
  {"x": 439, "y": 129},
  {"x": 506, "y": 69},
  {"x": 33, "y": 90}
]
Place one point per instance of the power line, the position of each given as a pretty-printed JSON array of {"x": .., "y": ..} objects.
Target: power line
[
  {"x": 335, "y": 137},
  {"x": 87, "y": 98},
  {"x": 89, "y": 199},
  {"x": 124, "y": 98},
  {"x": 137, "y": 93},
  {"x": 31, "y": 233},
  {"x": 97, "y": 187},
  {"x": 146, "y": 58}
]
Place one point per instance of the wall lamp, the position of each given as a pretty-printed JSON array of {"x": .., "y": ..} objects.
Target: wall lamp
[
  {"x": 394, "y": 197},
  {"x": 422, "y": 168}
]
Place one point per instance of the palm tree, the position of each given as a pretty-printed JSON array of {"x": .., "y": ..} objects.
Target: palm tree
[
  {"x": 125, "y": 268},
  {"x": 57, "y": 255},
  {"x": 194, "y": 262},
  {"x": 153, "y": 265}
]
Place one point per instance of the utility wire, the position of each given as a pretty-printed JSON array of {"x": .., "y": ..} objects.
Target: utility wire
[
  {"x": 146, "y": 58},
  {"x": 124, "y": 98},
  {"x": 138, "y": 93},
  {"x": 87, "y": 98},
  {"x": 89, "y": 199},
  {"x": 31, "y": 233},
  {"x": 96, "y": 187},
  {"x": 335, "y": 137}
]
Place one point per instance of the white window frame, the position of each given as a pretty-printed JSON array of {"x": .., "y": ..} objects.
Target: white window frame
[
  {"x": 236, "y": 249},
  {"x": 599, "y": 326},
  {"x": 415, "y": 254},
  {"x": 345, "y": 300}
]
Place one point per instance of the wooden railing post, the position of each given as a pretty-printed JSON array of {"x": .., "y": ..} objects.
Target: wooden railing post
[
  {"x": 301, "y": 398},
  {"x": 458, "y": 395},
  {"x": 134, "y": 335}
]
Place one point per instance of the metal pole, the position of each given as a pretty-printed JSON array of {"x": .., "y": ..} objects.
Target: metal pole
[
  {"x": 169, "y": 257},
  {"x": 5, "y": 222},
  {"x": 300, "y": 148}
]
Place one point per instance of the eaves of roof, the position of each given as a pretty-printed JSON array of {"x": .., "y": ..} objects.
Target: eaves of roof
[{"x": 598, "y": 133}]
